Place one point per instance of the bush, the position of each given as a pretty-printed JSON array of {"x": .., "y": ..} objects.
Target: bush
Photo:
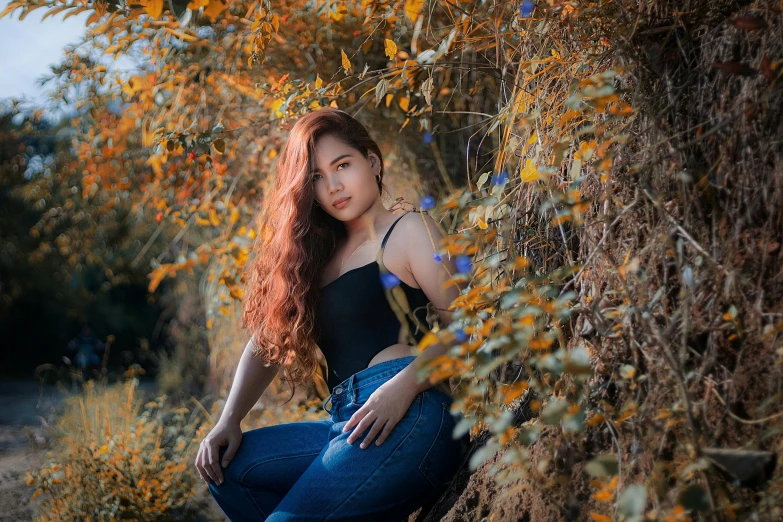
[{"x": 119, "y": 459}]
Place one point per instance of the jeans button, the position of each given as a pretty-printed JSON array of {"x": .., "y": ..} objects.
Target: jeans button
[{"x": 338, "y": 390}]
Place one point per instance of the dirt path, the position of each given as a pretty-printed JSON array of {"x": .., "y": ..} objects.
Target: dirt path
[{"x": 26, "y": 405}]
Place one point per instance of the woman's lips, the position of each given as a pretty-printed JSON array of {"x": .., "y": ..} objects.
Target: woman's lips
[{"x": 342, "y": 203}]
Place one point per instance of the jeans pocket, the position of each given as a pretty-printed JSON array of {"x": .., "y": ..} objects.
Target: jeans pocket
[{"x": 441, "y": 460}]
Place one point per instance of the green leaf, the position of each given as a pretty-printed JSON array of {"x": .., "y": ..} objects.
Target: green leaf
[
  {"x": 510, "y": 298},
  {"x": 482, "y": 454},
  {"x": 603, "y": 466},
  {"x": 380, "y": 90},
  {"x": 694, "y": 498},
  {"x": 632, "y": 502},
  {"x": 554, "y": 411}
]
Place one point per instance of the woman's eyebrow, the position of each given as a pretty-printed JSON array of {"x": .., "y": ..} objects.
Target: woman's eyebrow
[{"x": 335, "y": 160}]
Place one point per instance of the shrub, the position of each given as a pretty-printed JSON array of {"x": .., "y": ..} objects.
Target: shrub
[{"x": 118, "y": 459}]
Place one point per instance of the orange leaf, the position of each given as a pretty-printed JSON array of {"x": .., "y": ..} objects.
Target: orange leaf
[{"x": 154, "y": 8}]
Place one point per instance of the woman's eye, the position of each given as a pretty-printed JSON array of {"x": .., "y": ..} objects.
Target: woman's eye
[
  {"x": 341, "y": 164},
  {"x": 315, "y": 176}
]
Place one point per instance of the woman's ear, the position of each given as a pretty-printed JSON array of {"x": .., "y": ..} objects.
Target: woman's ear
[{"x": 375, "y": 162}]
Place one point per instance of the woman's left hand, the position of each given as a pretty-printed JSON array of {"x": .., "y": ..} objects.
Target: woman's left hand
[{"x": 385, "y": 407}]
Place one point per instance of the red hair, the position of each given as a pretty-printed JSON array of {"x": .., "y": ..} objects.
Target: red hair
[{"x": 297, "y": 239}]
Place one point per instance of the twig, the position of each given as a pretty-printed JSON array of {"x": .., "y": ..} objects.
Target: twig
[{"x": 597, "y": 246}]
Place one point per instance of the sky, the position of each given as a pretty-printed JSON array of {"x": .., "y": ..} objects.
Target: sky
[
  {"x": 35, "y": 46},
  {"x": 31, "y": 47}
]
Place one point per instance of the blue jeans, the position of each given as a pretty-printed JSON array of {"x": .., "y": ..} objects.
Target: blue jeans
[{"x": 306, "y": 471}]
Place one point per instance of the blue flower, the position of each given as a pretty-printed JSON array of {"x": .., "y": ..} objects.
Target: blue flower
[
  {"x": 427, "y": 202},
  {"x": 427, "y": 137},
  {"x": 463, "y": 264},
  {"x": 437, "y": 257},
  {"x": 461, "y": 335},
  {"x": 526, "y": 8},
  {"x": 501, "y": 178},
  {"x": 389, "y": 280}
]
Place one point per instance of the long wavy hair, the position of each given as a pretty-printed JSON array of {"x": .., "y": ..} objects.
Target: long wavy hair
[{"x": 296, "y": 240}]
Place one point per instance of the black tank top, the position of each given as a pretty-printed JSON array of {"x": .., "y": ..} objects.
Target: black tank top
[{"x": 354, "y": 320}]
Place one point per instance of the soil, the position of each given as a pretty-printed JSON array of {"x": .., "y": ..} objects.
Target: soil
[{"x": 27, "y": 407}]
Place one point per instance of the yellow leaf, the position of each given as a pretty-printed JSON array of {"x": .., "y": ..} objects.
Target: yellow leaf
[
  {"x": 276, "y": 105},
  {"x": 213, "y": 217},
  {"x": 412, "y": 8},
  {"x": 338, "y": 13},
  {"x": 529, "y": 173},
  {"x": 214, "y": 9},
  {"x": 154, "y": 8},
  {"x": 346, "y": 61},
  {"x": 209, "y": 323},
  {"x": 202, "y": 222},
  {"x": 195, "y": 5},
  {"x": 600, "y": 518},
  {"x": 391, "y": 48},
  {"x": 234, "y": 216},
  {"x": 404, "y": 102},
  {"x": 318, "y": 82},
  {"x": 482, "y": 224}
]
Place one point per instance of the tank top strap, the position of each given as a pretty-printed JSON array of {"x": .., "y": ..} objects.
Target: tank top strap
[{"x": 388, "y": 232}]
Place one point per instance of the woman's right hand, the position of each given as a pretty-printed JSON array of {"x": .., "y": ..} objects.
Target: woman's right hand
[{"x": 224, "y": 433}]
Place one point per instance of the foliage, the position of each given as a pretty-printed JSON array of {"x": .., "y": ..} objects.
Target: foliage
[{"x": 117, "y": 458}]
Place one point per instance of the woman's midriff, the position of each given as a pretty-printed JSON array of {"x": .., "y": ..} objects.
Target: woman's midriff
[{"x": 395, "y": 351}]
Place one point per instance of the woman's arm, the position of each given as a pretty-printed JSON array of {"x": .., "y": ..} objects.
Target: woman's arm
[{"x": 250, "y": 381}]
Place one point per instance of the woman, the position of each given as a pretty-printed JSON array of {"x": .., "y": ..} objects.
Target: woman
[{"x": 314, "y": 285}]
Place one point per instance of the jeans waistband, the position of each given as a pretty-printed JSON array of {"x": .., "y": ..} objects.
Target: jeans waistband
[{"x": 377, "y": 372}]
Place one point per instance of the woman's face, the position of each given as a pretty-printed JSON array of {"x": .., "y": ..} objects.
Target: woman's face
[{"x": 343, "y": 172}]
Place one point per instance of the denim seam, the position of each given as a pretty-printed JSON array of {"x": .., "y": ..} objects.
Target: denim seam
[
  {"x": 382, "y": 464},
  {"x": 443, "y": 414},
  {"x": 253, "y": 500},
  {"x": 242, "y": 478}
]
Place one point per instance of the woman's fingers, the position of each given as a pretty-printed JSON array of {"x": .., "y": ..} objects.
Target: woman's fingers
[
  {"x": 214, "y": 462},
  {"x": 376, "y": 427},
  {"x": 208, "y": 462},
  {"x": 361, "y": 427},
  {"x": 385, "y": 433},
  {"x": 200, "y": 465}
]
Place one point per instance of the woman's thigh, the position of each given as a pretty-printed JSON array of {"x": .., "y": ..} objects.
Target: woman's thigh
[
  {"x": 274, "y": 457},
  {"x": 387, "y": 482}
]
